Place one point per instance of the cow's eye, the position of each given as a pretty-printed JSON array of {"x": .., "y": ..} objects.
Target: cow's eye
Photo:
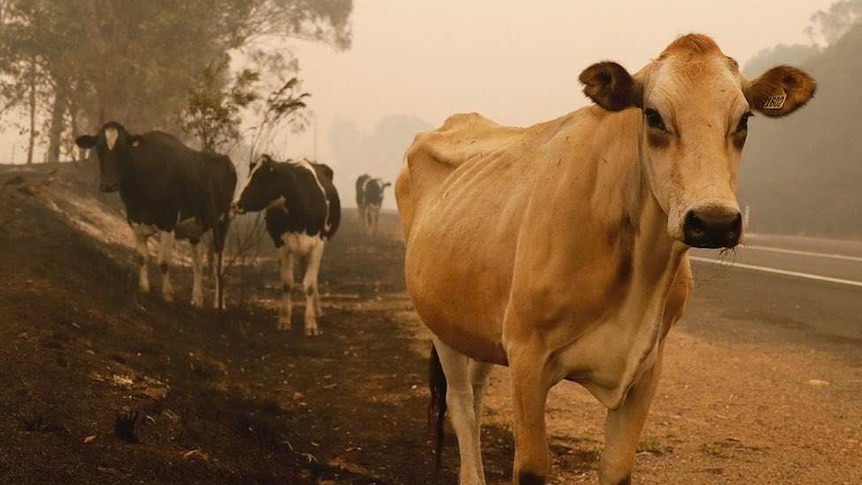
[
  {"x": 743, "y": 122},
  {"x": 654, "y": 120}
]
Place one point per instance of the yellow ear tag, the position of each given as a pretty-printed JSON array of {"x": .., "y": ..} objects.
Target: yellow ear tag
[
  {"x": 136, "y": 143},
  {"x": 775, "y": 102}
]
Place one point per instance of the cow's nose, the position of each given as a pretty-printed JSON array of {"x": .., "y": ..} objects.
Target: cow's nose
[
  {"x": 234, "y": 209},
  {"x": 108, "y": 187},
  {"x": 712, "y": 227}
]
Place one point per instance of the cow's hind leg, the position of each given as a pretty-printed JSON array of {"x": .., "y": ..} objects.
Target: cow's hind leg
[
  {"x": 285, "y": 311},
  {"x": 309, "y": 285},
  {"x": 465, "y": 386},
  {"x": 623, "y": 430},
  {"x": 166, "y": 249},
  {"x": 197, "y": 275}
]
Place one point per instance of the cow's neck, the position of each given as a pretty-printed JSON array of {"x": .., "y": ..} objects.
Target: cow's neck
[{"x": 626, "y": 219}]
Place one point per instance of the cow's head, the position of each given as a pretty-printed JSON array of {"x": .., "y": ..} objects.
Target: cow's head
[
  {"x": 261, "y": 189},
  {"x": 114, "y": 146},
  {"x": 696, "y": 106}
]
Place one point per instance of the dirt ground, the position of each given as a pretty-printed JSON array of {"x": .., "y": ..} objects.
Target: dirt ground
[{"x": 102, "y": 385}]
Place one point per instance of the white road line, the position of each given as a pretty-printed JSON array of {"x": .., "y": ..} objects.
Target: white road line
[
  {"x": 805, "y": 253},
  {"x": 778, "y": 271}
]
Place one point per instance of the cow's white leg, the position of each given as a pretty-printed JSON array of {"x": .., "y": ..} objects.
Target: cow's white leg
[
  {"x": 376, "y": 219},
  {"x": 623, "y": 429},
  {"x": 166, "y": 248},
  {"x": 197, "y": 276},
  {"x": 530, "y": 382},
  {"x": 142, "y": 234},
  {"x": 465, "y": 380},
  {"x": 285, "y": 312},
  {"x": 309, "y": 285}
]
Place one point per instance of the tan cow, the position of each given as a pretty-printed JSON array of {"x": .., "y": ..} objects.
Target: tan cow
[{"x": 560, "y": 249}]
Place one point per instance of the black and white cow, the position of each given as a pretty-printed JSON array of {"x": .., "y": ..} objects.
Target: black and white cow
[
  {"x": 369, "y": 198},
  {"x": 303, "y": 211},
  {"x": 170, "y": 189}
]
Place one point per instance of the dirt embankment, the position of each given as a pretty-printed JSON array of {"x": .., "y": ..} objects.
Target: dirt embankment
[{"x": 225, "y": 398}]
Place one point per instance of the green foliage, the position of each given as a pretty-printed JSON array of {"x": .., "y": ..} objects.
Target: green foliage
[
  {"x": 794, "y": 55},
  {"x": 833, "y": 23},
  {"x": 801, "y": 174},
  {"x": 282, "y": 107},
  {"x": 212, "y": 112},
  {"x": 138, "y": 61}
]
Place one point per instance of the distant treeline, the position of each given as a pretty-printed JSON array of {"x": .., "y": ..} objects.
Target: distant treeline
[
  {"x": 67, "y": 66},
  {"x": 803, "y": 175}
]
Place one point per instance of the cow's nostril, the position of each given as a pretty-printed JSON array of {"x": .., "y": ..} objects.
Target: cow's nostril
[
  {"x": 694, "y": 225},
  {"x": 712, "y": 227}
]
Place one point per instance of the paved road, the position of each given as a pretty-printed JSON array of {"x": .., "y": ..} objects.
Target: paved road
[{"x": 810, "y": 288}]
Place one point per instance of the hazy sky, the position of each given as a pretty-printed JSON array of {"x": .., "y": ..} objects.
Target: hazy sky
[{"x": 516, "y": 62}]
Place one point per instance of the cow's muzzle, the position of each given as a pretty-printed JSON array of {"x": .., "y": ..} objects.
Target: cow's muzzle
[
  {"x": 712, "y": 227},
  {"x": 109, "y": 187},
  {"x": 235, "y": 209}
]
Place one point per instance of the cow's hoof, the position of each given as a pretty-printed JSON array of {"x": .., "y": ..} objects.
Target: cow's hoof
[
  {"x": 198, "y": 302},
  {"x": 312, "y": 331},
  {"x": 284, "y": 324}
]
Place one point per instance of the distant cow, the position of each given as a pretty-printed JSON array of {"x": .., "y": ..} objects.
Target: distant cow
[
  {"x": 561, "y": 249},
  {"x": 303, "y": 211},
  {"x": 369, "y": 198},
  {"x": 170, "y": 189}
]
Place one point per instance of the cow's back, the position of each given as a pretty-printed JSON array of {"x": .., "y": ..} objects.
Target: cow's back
[
  {"x": 312, "y": 205},
  {"x": 360, "y": 189},
  {"x": 173, "y": 181},
  {"x": 462, "y": 194}
]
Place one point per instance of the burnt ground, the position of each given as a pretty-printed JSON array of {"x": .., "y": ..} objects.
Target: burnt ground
[{"x": 101, "y": 385}]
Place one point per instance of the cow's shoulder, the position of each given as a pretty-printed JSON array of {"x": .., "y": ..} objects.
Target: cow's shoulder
[
  {"x": 325, "y": 171},
  {"x": 461, "y": 138}
]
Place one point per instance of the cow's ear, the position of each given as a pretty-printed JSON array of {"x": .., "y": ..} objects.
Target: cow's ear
[
  {"x": 780, "y": 91},
  {"x": 135, "y": 140},
  {"x": 86, "y": 141},
  {"x": 610, "y": 86}
]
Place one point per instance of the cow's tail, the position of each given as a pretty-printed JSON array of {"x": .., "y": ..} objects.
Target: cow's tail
[{"x": 437, "y": 407}]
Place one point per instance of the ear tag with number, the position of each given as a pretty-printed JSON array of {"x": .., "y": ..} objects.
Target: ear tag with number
[{"x": 775, "y": 102}]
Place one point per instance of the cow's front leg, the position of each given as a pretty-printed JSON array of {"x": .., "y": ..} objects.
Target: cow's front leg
[
  {"x": 197, "y": 275},
  {"x": 142, "y": 234},
  {"x": 530, "y": 383},
  {"x": 309, "y": 285},
  {"x": 376, "y": 221},
  {"x": 623, "y": 429},
  {"x": 166, "y": 248},
  {"x": 285, "y": 311}
]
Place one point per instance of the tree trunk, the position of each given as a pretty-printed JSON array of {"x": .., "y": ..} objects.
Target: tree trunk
[
  {"x": 58, "y": 111},
  {"x": 32, "y": 142},
  {"x": 77, "y": 153}
]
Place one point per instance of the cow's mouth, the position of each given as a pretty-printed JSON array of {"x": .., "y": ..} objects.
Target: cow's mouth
[{"x": 109, "y": 187}]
